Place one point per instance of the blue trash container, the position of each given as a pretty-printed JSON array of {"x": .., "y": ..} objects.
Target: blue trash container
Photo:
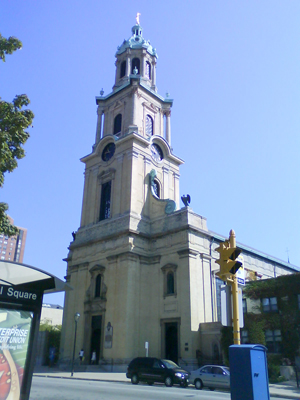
[{"x": 248, "y": 372}]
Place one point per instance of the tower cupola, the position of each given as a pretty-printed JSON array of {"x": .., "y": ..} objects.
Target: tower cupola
[{"x": 136, "y": 56}]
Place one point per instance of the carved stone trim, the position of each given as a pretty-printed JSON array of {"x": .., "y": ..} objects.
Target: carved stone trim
[
  {"x": 187, "y": 253},
  {"x": 205, "y": 256},
  {"x": 168, "y": 267},
  {"x": 106, "y": 176},
  {"x": 150, "y": 260},
  {"x": 97, "y": 268}
]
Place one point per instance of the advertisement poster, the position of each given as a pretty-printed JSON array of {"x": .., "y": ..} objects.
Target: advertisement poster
[{"x": 14, "y": 338}]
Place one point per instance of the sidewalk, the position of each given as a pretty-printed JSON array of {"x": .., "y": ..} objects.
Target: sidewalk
[{"x": 287, "y": 390}]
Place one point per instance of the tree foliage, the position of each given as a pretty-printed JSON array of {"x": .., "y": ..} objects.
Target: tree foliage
[
  {"x": 286, "y": 289},
  {"x": 14, "y": 120},
  {"x": 5, "y": 226},
  {"x": 53, "y": 338},
  {"x": 8, "y": 46}
]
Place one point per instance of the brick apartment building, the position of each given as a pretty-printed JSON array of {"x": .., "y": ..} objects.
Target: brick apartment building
[{"x": 12, "y": 248}]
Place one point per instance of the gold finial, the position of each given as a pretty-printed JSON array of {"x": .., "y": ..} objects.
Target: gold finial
[{"x": 137, "y": 18}]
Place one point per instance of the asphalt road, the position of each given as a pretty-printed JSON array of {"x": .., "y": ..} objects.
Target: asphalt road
[{"x": 72, "y": 389}]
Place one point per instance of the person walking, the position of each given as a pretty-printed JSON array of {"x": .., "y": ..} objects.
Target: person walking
[
  {"x": 93, "y": 359},
  {"x": 81, "y": 355}
]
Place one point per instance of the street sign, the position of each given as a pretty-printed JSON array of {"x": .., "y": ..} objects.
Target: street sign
[
  {"x": 240, "y": 274},
  {"x": 226, "y": 306}
]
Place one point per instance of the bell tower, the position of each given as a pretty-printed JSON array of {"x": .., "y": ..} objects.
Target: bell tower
[{"x": 132, "y": 169}]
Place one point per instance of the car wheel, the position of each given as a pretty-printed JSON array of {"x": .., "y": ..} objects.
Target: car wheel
[
  {"x": 168, "y": 381},
  {"x": 212, "y": 389},
  {"x": 198, "y": 384},
  {"x": 134, "y": 379},
  {"x": 150, "y": 383}
]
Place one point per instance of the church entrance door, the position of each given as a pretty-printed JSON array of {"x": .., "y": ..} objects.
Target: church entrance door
[
  {"x": 171, "y": 341},
  {"x": 96, "y": 336}
]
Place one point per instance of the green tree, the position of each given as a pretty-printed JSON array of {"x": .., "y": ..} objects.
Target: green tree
[
  {"x": 53, "y": 339},
  {"x": 14, "y": 120}
]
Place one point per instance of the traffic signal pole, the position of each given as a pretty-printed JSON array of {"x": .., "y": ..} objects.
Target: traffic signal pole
[
  {"x": 235, "y": 306},
  {"x": 235, "y": 297},
  {"x": 229, "y": 265}
]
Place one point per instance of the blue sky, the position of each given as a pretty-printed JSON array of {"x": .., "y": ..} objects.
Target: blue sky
[{"x": 232, "y": 68}]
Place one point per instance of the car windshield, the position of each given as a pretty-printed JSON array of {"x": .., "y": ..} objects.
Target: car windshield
[{"x": 170, "y": 364}]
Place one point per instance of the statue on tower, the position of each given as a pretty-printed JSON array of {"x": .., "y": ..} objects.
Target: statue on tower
[{"x": 137, "y": 18}]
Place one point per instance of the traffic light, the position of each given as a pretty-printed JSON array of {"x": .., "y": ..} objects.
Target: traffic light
[{"x": 228, "y": 255}]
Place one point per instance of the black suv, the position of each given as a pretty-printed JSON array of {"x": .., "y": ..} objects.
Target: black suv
[{"x": 150, "y": 370}]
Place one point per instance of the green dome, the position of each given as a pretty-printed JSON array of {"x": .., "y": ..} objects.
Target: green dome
[{"x": 136, "y": 41}]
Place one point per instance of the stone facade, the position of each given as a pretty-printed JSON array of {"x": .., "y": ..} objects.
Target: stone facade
[{"x": 142, "y": 269}]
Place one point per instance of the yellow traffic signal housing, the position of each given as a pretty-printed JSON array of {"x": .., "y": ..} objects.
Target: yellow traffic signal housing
[{"x": 228, "y": 255}]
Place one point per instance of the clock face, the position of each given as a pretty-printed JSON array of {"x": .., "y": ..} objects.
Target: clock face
[
  {"x": 156, "y": 152},
  {"x": 108, "y": 152}
]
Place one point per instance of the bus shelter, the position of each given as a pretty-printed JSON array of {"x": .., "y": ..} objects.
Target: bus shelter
[{"x": 21, "y": 296}]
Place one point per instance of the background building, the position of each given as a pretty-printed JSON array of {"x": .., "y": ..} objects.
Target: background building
[
  {"x": 142, "y": 268},
  {"x": 13, "y": 248},
  {"x": 52, "y": 314}
]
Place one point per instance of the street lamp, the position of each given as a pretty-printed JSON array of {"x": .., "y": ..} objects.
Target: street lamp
[{"x": 76, "y": 318}]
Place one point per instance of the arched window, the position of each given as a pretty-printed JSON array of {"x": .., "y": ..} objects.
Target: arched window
[
  {"x": 149, "y": 125},
  {"x": 118, "y": 124},
  {"x": 123, "y": 69},
  {"x": 98, "y": 286},
  {"x": 135, "y": 64},
  {"x": 156, "y": 188},
  {"x": 148, "y": 70},
  {"x": 105, "y": 201},
  {"x": 170, "y": 282},
  {"x": 169, "y": 274}
]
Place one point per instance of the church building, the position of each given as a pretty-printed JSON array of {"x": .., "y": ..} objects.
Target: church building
[{"x": 142, "y": 266}]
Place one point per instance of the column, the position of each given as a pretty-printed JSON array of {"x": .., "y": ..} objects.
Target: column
[
  {"x": 153, "y": 73},
  {"x": 128, "y": 66},
  {"x": 134, "y": 107},
  {"x": 168, "y": 126},
  {"x": 99, "y": 124}
]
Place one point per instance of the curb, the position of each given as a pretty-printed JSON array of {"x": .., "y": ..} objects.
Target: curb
[{"x": 79, "y": 379}]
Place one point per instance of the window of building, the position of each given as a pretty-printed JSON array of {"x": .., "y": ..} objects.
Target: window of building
[
  {"x": 148, "y": 70},
  {"x": 169, "y": 274},
  {"x": 135, "y": 64},
  {"x": 244, "y": 306},
  {"x": 269, "y": 304},
  {"x": 123, "y": 69},
  {"x": 273, "y": 341},
  {"x": 105, "y": 201},
  {"x": 170, "y": 282},
  {"x": 2, "y": 258},
  {"x": 219, "y": 283},
  {"x": 149, "y": 125},
  {"x": 98, "y": 286},
  {"x": 118, "y": 124},
  {"x": 244, "y": 336}
]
